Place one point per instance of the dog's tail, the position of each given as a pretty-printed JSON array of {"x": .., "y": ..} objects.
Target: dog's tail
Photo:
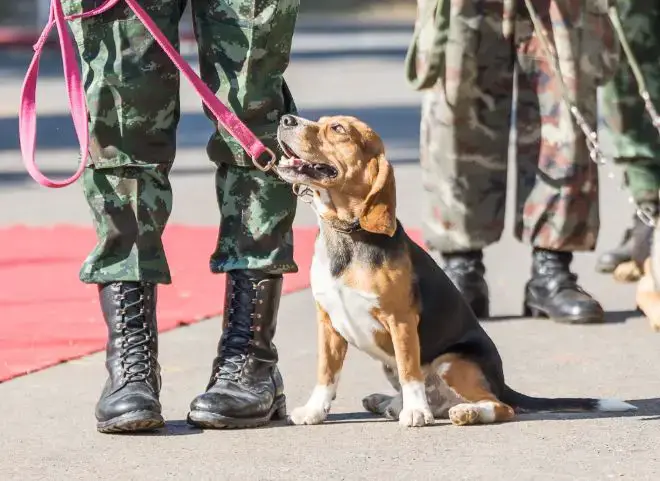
[{"x": 523, "y": 403}]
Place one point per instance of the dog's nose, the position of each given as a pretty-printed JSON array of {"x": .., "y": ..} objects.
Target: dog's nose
[{"x": 289, "y": 121}]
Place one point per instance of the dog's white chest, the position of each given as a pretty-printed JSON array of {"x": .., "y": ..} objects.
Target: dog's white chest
[{"x": 350, "y": 310}]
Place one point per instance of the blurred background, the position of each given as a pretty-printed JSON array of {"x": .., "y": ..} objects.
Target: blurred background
[{"x": 27, "y": 15}]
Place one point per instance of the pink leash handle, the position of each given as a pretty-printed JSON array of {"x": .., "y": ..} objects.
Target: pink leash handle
[{"x": 27, "y": 115}]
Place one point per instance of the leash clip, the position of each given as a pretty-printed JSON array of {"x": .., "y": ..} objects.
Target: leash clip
[{"x": 268, "y": 165}]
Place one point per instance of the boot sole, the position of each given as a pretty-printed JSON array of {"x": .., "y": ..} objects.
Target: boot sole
[
  {"x": 132, "y": 422},
  {"x": 208, "y": 420},
  {"x": 530, "y": 311}
]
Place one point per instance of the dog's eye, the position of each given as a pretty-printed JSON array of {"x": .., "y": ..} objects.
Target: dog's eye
[{"x": 338, "y": 128}]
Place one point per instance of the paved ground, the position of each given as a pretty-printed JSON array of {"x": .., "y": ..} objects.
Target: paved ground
[{"x": 47, "y": 424}]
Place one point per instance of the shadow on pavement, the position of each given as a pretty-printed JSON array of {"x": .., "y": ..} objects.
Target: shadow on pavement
[
  {"x": 172, "y": 428},
  {"x": 647, "y": 410},
  {"x": 611, "y": 317}
]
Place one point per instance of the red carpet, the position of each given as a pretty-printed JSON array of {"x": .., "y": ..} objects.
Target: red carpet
[{"x": 48, "y": 316}]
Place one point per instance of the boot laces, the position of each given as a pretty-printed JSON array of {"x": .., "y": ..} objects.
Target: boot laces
[
  {"x": 136, "y": 357},
  {"x": 238, "y": 333}
]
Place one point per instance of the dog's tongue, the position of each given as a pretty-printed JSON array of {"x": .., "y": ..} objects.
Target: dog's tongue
[{"x": 291, "y": 162}]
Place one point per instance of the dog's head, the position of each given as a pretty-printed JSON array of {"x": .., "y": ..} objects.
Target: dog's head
[{"x": 343, "y": 161}]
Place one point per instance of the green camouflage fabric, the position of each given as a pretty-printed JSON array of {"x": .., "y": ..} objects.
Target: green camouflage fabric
[
  {"x": 467, "y": 118},
  {"x": 636, "y": 141},
  {"x": 132, "y": 91}
]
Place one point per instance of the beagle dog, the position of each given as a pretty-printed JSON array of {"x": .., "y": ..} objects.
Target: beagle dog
[{"x": 380, "y": 292}]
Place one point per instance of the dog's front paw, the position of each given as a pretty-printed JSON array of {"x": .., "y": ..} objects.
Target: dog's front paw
[
  {"x": 415, "y": 417},
  {"x": 307, "y": 415}
]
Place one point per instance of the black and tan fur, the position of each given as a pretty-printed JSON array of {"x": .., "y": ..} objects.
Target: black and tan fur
[{"x": 378, "y": 290}]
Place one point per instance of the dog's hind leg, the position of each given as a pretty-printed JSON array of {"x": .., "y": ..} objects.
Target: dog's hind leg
[
  {"x": 466, "y": 379},
  {"x": 378, "y": 403},
  {"x": 384, "y": 405}
]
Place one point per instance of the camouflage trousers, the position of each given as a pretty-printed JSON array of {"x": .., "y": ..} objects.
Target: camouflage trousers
[
  {"x": 467, "y": 117},
  {"x": 132, "y": 91},
  {"x": 636, "y": 141}
]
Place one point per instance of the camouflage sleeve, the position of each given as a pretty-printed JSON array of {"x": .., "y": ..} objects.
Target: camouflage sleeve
[
  {"x": 626, "y": 119},
  {"x": 600, "y": 47}
]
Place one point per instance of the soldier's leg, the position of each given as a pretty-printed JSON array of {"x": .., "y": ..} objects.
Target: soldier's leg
[
  {"x": 244, "y": 51},
  {"x": 132, "y": 94},
  {"x": 558, "y": 183},
  {"x": 464, "y": 145},
  {"x": 636, "y": 141}
]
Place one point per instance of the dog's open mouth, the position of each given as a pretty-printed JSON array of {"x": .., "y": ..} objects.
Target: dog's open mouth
[{"x": 312, "y": 170}]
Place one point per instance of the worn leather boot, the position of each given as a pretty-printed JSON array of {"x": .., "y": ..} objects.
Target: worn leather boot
[
  {"x": 129, "y": 401},
  {"x": 466, "y": 270},
  {"x": 637, "y": 235},
  {"x": 553, "y": 291},
  {"x": 246, "y": 388}
]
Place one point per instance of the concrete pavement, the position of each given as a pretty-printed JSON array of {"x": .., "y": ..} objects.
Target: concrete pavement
[{"x": 47, "y": 424}]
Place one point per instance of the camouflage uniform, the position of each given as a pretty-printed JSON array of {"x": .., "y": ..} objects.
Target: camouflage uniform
[
  {"x": 133, "y": 96},
  {"x": 466, "y": 120},
  {"x": 636, "y": 141},
  {"x": 132, "y": 91}
]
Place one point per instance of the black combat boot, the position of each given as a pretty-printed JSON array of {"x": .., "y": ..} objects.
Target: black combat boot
[
  {"x": 129, "y": 401},
  {"x": 246, "y": 388},
  {"x": 553, "y": 291},
  {"x": 638, "y": 235},
  {"x": 466, "y": 270}
]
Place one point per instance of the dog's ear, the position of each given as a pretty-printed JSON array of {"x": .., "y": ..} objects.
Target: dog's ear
[{"x": 379, "y": 209}]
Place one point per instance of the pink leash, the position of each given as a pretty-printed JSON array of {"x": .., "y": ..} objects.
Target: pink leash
[{"x": 27, "y": 116}]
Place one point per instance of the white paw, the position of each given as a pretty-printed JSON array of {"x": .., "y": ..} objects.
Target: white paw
[
  {"x": 415, "y": 417},
  {"x": 307, "y": 415},
  {"x": 464, "y": 414}
]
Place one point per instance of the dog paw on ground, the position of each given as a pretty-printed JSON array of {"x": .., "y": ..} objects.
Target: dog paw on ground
[
  {"x": 464, "y": 414},
  {"x": 415, "y": 417},
  {"x": 307, "y": 415}
]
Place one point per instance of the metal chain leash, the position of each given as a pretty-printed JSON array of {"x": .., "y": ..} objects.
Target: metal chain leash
[{"x": 591, "y": 137}]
